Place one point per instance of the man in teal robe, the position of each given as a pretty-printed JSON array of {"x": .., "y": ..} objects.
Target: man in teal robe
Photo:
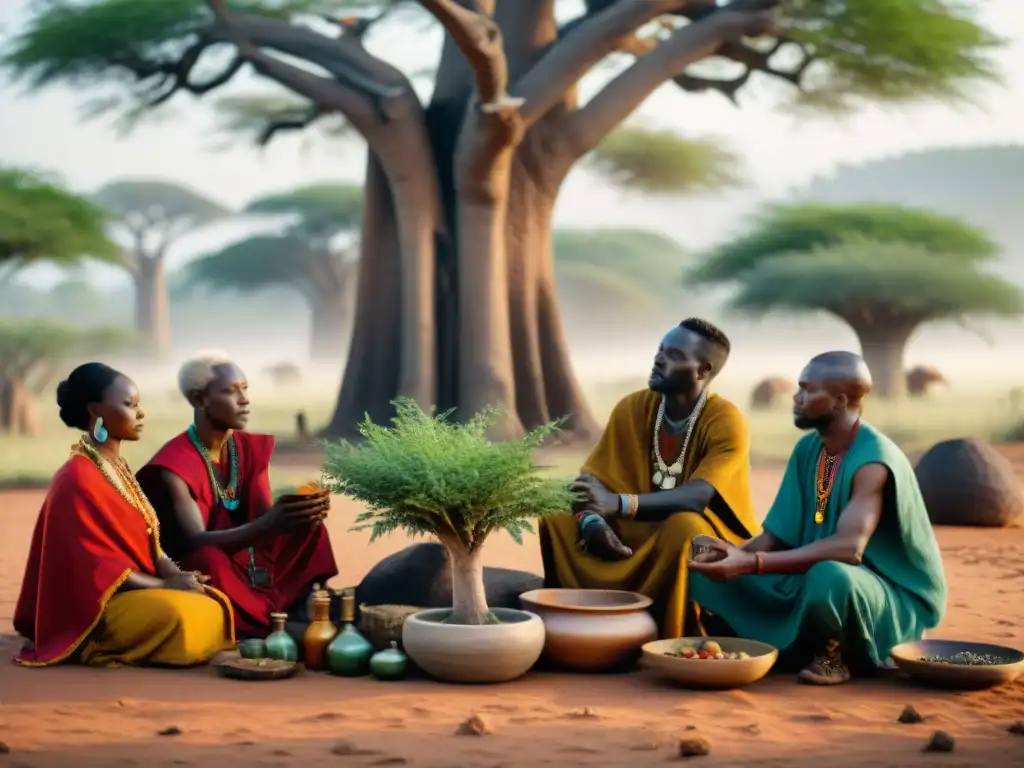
[{"x": 847, "y": 566}]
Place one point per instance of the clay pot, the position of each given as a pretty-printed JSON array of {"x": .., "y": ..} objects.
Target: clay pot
[
  {"x": 461, "y": 653},
  {"x": 772, "y": 392},
  {"x": 968, "y": 482},
  {"x": 592, "y": 630}
]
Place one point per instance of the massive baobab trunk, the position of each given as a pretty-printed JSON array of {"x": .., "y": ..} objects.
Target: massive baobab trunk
[
  {"x": 884, "y": 351},
  {"x": 152, "y": 310},
  {"x": 18, "y": 412},
  {"x": 456, "y": 299}
]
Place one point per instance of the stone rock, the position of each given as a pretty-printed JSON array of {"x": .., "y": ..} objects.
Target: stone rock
[
  {"x": 771, "y": 393},
  {"x": 473, "y": 726},
  {"x": 170, "y": 731},
  {"x": 910, "y": 716},
  {"x": 924, "y": 379},
  {"x": 694, "y": 746},
  {"x": 940, "y": 742},
  {"x": 421, "y": 575},
  {"x": 4, "y": 749},
  {"x": 1017, "y": 729},
  {"x": 968, "y": 482}
]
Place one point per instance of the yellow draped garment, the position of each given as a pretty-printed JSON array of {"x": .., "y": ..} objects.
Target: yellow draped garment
[{"x": 719, "y": 453}]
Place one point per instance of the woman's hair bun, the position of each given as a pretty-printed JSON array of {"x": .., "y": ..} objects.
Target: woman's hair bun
[{"x": 84, "y": 386}]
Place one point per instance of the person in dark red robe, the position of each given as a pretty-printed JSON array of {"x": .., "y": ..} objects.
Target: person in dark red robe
[{"x": 210, "y": 487}]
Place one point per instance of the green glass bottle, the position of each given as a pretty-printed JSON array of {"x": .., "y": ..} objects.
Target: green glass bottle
[
  {"x": 389, "y": 664},
  {"x": 349, "y": 653},
  {"x": 279, "y": 643}
]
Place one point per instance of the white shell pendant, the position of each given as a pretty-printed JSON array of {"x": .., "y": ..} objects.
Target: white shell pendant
[
  {"x": 676, "y": 469},
  {"x": 668, "y": 483},
  {"x": 658, "y": 477}
]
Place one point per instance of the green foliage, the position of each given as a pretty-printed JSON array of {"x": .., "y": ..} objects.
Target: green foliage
[
  {"x": 144, "y": 205},
  {"x": 30, "y": 350},
  {"x": 257, "y": 262},
  {"x": 663, "y": 162},
  {"x": 427, "y": 475},
  {"x": 321, "y": 210},
  {"x": 864, "y": 282},
  {"x": 788, "y": 229},
  {"x": 884, "y": 51},
  {"x": 41, "y": 220}
]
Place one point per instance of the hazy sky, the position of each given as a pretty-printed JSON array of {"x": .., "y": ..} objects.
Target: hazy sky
[{"x": 45, "y": 130}]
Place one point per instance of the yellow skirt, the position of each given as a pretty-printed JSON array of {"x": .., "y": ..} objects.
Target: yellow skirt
[
  {"x": 160, "y": 627},
  {"x": 657, "y": 569}
]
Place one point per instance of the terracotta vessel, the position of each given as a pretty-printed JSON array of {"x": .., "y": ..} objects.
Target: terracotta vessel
[
  {"x": 592, "y": 630},
  {"x": 320, "y": 632},
  {"x": 709, "y": 673},
  {"x": 911, "y": 659},
  {"x": 462, "y": 653}
]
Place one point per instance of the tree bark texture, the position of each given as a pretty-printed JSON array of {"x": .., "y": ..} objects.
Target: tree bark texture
[
  {"x": 469, "y": 598},
  {"x": 884, "y": 351},
  {"x": 152, "y": 308},
  {"x": 18, "y": 408}
]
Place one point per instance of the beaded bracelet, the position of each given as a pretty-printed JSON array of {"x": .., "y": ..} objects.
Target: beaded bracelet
[{"x": 629, "y": 505}]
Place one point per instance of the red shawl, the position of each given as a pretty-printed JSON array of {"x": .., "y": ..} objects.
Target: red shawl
[{"x": 87, "y": 541}]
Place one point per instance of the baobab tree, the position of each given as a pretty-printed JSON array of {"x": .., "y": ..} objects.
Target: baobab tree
[
  {"x": 884, "y": 270},
  {"x": 314, "y": 253},
  {"x": 456, "y": 298},
  {"x": 147, "y": 218},
  {"x": 40, "y": 220}
]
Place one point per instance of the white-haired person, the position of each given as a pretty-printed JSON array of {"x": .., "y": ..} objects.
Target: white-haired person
[{"x": 210, "y": 487}]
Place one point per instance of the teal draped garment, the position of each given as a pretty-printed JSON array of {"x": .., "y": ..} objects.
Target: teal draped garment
[{"x": 898, "y": 591}]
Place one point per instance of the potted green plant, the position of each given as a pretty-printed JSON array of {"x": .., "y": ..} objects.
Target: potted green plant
[{"x": 428, "y": 476}]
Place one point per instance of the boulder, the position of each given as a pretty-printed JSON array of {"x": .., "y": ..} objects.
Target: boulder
[
  {"x": 924, "y": 379},
  {"x": 968, "y": 482},
  {"x": 771, "y": 393},
  {"x": 421, "y": 575}
]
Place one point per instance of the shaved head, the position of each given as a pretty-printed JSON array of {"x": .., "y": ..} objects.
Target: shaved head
[{"x": 831, "y": 384}]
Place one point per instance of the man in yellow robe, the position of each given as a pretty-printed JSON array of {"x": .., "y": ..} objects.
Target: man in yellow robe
[{"x": 673, "y": 462}]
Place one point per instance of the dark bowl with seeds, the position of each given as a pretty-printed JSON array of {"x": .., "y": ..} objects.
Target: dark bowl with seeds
[{"x": 959, "y": 664}]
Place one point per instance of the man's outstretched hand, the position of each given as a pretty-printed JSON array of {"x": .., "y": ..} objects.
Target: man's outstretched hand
[{"x": 600, "y": 541}]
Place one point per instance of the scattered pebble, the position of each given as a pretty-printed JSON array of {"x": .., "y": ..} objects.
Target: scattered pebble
[
  {"x": 170, "y": 731},
  {"x": 4, "y": 749},
  {"x": 347, "y": 748},
  {"x": 473, "y": 726},
  {"x": 940, "y": 742},
  {"x": 390, "y": 761},
  {"x": 694, "y": 746},
  {"x": 910, "y": 716},
  {"x": 586, "y": 712},
  {"x": 1017, "y": 728}
]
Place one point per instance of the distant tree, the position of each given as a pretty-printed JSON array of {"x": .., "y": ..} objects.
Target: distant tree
[
  {"x": 306, "y": 254},
  {"x": 148, "y": 218},
  {"x": 456, "y": 267},
  {"x": 40, "y": 220},
  {"x": 883, "y": 270},
  {"x": 31, "y": 352}
]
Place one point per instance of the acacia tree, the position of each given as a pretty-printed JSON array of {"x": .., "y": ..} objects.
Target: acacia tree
[
  {"x": 307, "y": 255},
  {"x": 42, "y": 221},
  {"x": 148, "y": 217},
  {"x": 30, "y": 353},
  {"x": 456, "y": 299},
  {"x": 883, "y": 270}
]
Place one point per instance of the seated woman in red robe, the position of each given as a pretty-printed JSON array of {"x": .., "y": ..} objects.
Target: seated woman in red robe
[
  {"x": 98, "y": 588},
  {"x": 210, "y": 487}
]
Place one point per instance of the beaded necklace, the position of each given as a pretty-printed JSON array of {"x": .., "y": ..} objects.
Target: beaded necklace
[
  {"x": 828, "y": 466},
  {"x": 226, "y": 495},
  {"x": 120, "y": 476},
  {"x": 665, "y": 476}
]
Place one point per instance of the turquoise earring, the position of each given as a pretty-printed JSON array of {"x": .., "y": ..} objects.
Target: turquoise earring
[{"x": 99, "y": 432}]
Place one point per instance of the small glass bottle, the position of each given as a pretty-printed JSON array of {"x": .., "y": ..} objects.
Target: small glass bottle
[
  {"x": 389, "y": 664},
  {"x": 349, "y": 653},
  {"x": 279, "y": 643},
  {"x": 320, "y": 632}
]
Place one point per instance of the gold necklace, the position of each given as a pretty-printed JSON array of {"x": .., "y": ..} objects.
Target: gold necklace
[{"x": 124, "y": 483}]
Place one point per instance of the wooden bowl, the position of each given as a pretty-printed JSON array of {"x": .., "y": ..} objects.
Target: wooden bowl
[
  {"x": 709, "y": 673},
  {"x": 382, "y": 624},
  {"x": 256, "y": 669},
  {"x": 304, "y": 491},
  {"x": 591, "y": 630},
  {"x": 909, "y": 657}
]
